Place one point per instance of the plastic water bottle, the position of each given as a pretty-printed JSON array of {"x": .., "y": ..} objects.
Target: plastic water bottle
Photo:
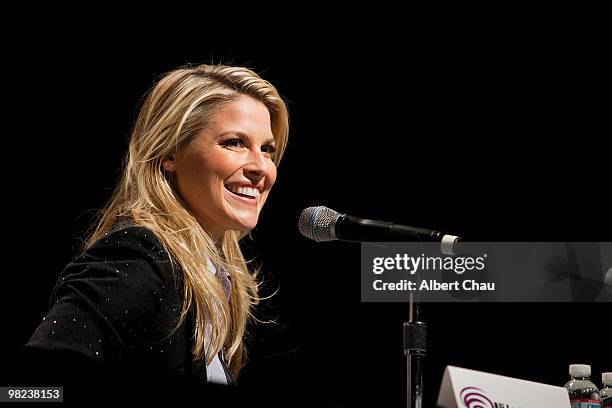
[
  {"x": 582, "y": 392},
  {"x": 606, "y": 391}
]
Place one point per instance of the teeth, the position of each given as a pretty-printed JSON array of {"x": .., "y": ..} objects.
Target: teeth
[{"x": 251, "y": 192}]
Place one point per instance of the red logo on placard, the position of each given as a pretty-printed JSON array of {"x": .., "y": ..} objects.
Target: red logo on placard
[{"x": 473, "y": 397}]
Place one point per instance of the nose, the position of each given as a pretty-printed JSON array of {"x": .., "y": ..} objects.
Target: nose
[{"x": 256, "y": 168}]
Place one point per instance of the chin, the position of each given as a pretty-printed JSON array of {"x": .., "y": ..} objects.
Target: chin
[{"x": 245, "y": 226}]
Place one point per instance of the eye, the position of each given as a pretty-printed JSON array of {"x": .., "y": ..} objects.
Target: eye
[
  {"x": 269, "y": 148},
  {"x": 235, "y": 142}
]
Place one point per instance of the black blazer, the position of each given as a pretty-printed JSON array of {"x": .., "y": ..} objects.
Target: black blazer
[{"x": 112, "y": 318}]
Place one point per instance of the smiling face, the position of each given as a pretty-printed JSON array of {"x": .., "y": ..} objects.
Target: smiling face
[{"x": 225, "y": 175}]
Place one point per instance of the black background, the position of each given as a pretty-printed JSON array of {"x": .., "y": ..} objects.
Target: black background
[{"x": 493, "y": 135}]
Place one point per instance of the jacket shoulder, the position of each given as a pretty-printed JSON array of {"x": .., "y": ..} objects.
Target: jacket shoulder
[
  {"x": 121, "y": 294},
  {"x": 124, "y": 241}
]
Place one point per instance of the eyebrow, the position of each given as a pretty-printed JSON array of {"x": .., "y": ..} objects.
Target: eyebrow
[{"x": 242, "y": 134}]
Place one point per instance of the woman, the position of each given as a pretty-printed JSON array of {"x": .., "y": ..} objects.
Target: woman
[{"x": 162, "y": 290}]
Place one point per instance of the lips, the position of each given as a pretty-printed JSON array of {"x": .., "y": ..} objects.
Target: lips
[
  {"x": 244, "y": 190},
  {"x": 244, "y": 194}
]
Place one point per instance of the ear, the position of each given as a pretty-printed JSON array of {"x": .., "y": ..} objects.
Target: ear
[{"x": 169, "y": 163}]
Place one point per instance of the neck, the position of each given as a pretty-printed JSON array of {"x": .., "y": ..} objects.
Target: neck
[{"x": 214, "y": 235}]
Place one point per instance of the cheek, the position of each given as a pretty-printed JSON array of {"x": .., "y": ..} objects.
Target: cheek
[
  {"x": 223, "y": 164},
  {"x": 270, "y": 180},
  {"x": 271, "y": 176},
  {"x": 197, "y": 180}
]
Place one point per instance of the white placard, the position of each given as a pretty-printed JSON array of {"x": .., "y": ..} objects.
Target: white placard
[{"x": 463, "y": 388}]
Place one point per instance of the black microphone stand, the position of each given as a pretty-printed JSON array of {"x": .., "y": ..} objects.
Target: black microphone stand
[{"x": 414, "y": 349}]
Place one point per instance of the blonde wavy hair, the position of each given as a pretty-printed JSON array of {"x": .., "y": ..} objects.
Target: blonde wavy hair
[{"x": 173, "y": 113}]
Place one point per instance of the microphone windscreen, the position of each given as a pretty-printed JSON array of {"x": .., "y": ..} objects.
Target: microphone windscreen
[{"x": 318, "y": 223}]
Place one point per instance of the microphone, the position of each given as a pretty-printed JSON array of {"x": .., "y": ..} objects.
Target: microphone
[{"x": 323, "y": 224}]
